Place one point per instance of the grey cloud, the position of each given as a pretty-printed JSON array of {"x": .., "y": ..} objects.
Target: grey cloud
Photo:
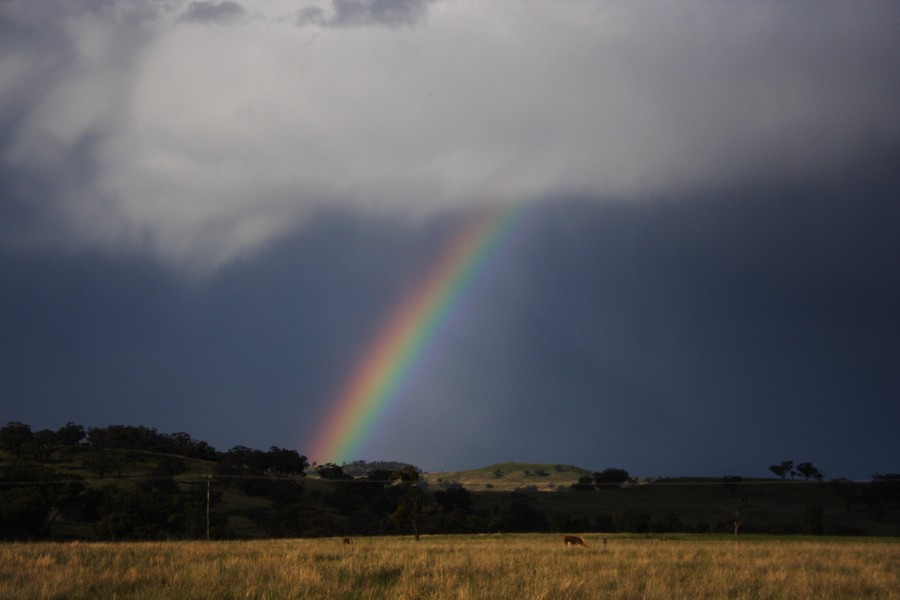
[
  {"x": 204, "y": 144},
  {"x": 213, "y": 12},
  {"x": 37, "y": 17},
  {"x": 351, "y": 13}
]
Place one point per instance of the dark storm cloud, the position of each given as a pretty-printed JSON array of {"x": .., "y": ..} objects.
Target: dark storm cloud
[
  {"x": 718, "y": 332},
  {"x": 682, "y": 335},
  {"x": 213, "y": 12},
  {"x": 249, "y": 358},
  {"x": 354, "y": 13},
  {"x": 710, "y": 279}
]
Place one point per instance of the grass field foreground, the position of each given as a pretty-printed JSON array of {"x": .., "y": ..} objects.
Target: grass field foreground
[{"x": 490, "y": 566}]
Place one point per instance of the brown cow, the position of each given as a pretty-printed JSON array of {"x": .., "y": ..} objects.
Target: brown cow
[
  {"x": 573, "y": 540},
  {"x": 348, "y": 540}
]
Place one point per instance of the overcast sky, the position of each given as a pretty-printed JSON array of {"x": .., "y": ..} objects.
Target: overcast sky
[{"x": 209, "y": 209}]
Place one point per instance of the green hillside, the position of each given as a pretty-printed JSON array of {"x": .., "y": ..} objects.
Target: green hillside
[{"x": 511, "y": 476}]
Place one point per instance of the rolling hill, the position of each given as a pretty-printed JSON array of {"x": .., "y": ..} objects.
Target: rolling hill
[
  {"x": 87, "y": 493},
  {"x": 511, "y": 476}
]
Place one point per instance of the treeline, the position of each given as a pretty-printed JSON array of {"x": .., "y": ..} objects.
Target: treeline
[
  {"x": 18, "y": 439},
  {"x": 144, "y": 489},
  {"x": 141, "y": 488},
  {"x": 124, "y": 482}
]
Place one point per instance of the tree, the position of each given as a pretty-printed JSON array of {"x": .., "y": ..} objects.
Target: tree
[
  {"x": 70, "y": 435},
  {"x": 282, "y": 460},
  {"x": 611, "y": 478},
  {"x": 808, "y": 470},
  {"x": 22, "y": 513},
  {"x": 412, "y": 499},
  {"x": 15, "y": 437},
  {"x": 731, "y": 482},
  {"x": 630, "y": 520},
  {"x": 343, "y": 501},
  {"x": 41, "y": 445},
  {"x": 182, "y": 444},
  {"x": 453, "y": 497},
  {"x": 520, "y": 514},
  {"x": 783, "y": 469},
  {"x": 100, "y": 462},
  {"x": 31, "y": 496},
  {"x": 240, "y": 460},
  {"x": 585, "y": 483},
  {"x": 373, "y": 487},
  {"x": 737, "y": 519},
  {"x": 331, "y": 471}
]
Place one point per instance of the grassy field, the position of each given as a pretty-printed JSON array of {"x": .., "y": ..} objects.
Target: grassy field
[{"x": 490, "y": 566}]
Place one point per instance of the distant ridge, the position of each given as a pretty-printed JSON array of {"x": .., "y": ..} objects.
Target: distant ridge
[{"x": 510, "y": 476}]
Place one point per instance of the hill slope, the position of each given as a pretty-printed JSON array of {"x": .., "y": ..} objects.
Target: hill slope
[
  {"x": 510, "y": 476},
  {"x": 131, "y": 494}
]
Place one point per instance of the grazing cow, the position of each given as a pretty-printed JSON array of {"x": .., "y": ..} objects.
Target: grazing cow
[
  {"x": 573, "y": 540},
  {"x": 348, "y": 540}
]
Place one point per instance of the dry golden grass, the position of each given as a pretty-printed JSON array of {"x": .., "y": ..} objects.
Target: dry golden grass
[{"x": 461, "y": 567}]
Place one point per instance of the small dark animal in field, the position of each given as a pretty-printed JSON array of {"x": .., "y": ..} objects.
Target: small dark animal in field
[
  {"x": 348, "y": 540},
  {"x": 573, "y": 540}
]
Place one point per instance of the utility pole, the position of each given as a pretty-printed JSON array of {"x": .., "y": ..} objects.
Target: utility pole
[{"x": 208, "y": 484}]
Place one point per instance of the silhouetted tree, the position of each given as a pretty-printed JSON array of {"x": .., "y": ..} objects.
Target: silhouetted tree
[
  {"x": 373, "y": 484},
  {"x": 737, "y": 514},
  {"x": 783, "y": 469},
  {"x": 731, "y": 482},
  {"x": 242, "y": 460},
  {"x": 809, "y": 471},
  {"x": 669, "y": 523},
  {"x": 585, "y": 484},
  {"x": 343, "y": 501},
  {"x": 453, "y": 497},
  {"x": 331, "y": 471},
  {"x": 70, "y": 435},
  {"x": 630, "y": 520},
  {"x": 31, "y": 495},
  {"x": 520, "y": 514},
  {"x": 42, "y": 444},
  {"x": 182, "y": 444},
  {"x": 22, "y": 513},
  {"x": 610, "y": 478},
  {"x": 100, "y": 462},
  {"x": 282, "y": 460},
  {"x": 412, "y": 499},
  {"x": 15, "y": 436}
]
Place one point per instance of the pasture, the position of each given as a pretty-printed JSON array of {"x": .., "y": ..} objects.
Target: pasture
[{"x": 498, "y": 567}]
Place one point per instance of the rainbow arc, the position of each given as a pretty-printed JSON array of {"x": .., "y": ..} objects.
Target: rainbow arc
[{"x": 412, "y": 333}]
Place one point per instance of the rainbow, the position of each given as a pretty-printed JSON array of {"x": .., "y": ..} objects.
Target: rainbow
[{"x": 412, "y": 334}]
